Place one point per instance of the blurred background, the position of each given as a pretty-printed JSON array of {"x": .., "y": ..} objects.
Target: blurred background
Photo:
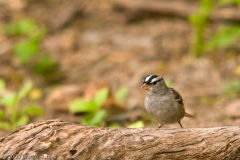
[{"x": 84, "y": 61}]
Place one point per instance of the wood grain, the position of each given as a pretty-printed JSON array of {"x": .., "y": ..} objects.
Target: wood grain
[{"x": 63, "y": 140}]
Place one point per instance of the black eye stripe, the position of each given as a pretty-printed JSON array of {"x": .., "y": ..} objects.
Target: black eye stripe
[{"x": 154, "y": 82}]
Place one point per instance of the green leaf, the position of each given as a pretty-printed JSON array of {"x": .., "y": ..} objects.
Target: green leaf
[
  {"x": 94, "y": 119},
  {"x": 23, "y": 120},
  {"x": 31, "y": 110},
  {"x": 169, "y": 83},
  {"x": 223, "y": 38},
  {"x": 39, "y": 34},
  {"x": 101, "y": 96},
  {"x": 25, "y": 50},
  {"x": 25, "y": 90},
  {"x": 45, "y": 65},
  {"x": 25, "y": 26},
  {"x": 227, "y": 2},
  {"x": 138, "y": 124},
  {"x": 206, "y": 7},
  {"x": 2, "y": 85},
  {"x": 85, "y": 120},
  {"x": 2, "y": 114},
  {"x": 82, "y": 105},
  {"x": 199, "y": 21},
  {"x": 9, "y": 100},
  {"x": 121, "y": 94},
  {"x": 99, "y": 117},
  {"x": 114, "y": 125},
  {"x": 21, "y": 27},
  {"x": 5, "y": 126},
  {"x": 231, "y": 88}
]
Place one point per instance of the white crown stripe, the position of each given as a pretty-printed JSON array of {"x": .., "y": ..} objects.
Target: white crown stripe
[
  {"x": 147, "y": 78},
  {"x": 155, "y": 79}
]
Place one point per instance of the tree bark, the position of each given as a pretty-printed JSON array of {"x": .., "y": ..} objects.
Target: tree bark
[{"x": 57, "y": 139}]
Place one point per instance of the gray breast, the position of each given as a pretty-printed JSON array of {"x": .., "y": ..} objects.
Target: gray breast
[{"x": 164, "y": 109}]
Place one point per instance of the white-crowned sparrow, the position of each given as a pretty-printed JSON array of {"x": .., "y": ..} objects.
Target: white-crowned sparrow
[{"x": 164, "y": 104}]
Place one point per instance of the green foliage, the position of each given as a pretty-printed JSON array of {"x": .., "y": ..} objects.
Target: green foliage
[
  {"x": 101, "y": 97},
  {"x": 114, "y": 125},
  {"x": 26, "y": 29},
  {"x": 121, "y": 94},
  {"x": 199, "y": 22},
  {"x": 169, "y": 83},
  {"x": 20, "y": 27},
  {"x": 232, "y": 88},
  {"x": 94, "y": 114},
  {"x": 2, "y": 86},
  {"x": 82, "y": 105},
  {"x": 28, "y": 44},
  {"x": 138, "y": 124},
  {"x": 25, "y": 50},
  {"x": 13, "y": 115},
  {"x": 45, "y": 65},
  {"x": 224, "y": 2},
  {"x": 222, "y": 38},
  {"x": 94, "y": 119}
]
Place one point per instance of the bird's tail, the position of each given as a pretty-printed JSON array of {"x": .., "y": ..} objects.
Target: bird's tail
[{"x": 188, "y": 115}]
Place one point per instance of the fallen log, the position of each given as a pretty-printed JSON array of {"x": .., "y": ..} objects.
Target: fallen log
[{"x": 57, "y": 139}]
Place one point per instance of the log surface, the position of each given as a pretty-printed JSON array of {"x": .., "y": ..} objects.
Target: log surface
[{"x": 58, "y": 139}]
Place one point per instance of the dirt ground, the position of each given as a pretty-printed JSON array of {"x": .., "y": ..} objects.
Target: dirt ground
[{"x": 97, "y": 44}]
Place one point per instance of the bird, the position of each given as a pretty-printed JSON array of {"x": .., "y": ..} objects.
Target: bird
[{"x": 163, "y": 103}]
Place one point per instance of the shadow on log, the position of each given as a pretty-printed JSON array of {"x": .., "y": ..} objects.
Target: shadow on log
[{"x": 57, "y": 139}]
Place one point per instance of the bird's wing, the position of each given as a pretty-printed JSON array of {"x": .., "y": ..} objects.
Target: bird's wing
[{"x": 176, "y": 96}]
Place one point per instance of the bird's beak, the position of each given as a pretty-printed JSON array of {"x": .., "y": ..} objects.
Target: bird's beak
[{"x": 145, "y": 86}]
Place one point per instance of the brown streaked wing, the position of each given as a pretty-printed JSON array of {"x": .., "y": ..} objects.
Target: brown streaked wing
[{"x": 176, "y": 96}]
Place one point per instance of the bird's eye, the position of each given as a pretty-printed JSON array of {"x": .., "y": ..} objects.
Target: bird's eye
[{"x": 155, "y": 82}]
